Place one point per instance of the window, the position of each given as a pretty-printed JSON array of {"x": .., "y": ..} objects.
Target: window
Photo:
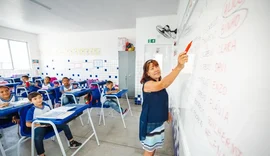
[
  {"x": 14, "y": 55},
  {"x": 5, "y": 58},
  {"x": 19, "y": 54}
]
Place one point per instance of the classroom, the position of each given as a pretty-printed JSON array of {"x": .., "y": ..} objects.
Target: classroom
[{"x": 134, "y": 78}]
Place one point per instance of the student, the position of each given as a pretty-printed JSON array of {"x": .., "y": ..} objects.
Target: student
[
  {"x": 25, "y": 80},
  {"x": 47, "y": 83},
  {"x": 66, "y": 87},
  {"x": 5, "y": 99},
  {"x": 28, "y": 85},
  {"x": 155, "y": 109},
  {"x": 38, "y": 109},
  {"x": 109, "y": 89}
]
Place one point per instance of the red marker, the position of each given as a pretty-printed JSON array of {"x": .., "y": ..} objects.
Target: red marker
[{"x": 188, "y": 46}]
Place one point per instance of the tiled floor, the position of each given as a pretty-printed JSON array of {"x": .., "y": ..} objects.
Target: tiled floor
[{"x": 114, "y": 139}]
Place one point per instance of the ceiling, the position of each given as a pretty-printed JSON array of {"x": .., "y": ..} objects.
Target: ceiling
[{"x": 47, "y": 16}]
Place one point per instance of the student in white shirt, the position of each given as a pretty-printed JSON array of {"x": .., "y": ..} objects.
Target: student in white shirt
[
  {"x": 66, "y": 87},
  {"x": 5, "y": 98}
]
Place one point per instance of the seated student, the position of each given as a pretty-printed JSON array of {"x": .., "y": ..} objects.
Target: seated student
[
  {"x": 28, "y": 85},
  {"x": 66, "y": 87},
  {"x": 40, "y": 108},
  {"x": 47, "y": 83},
  {"x": 5, "y": 98},
  {"x": 25, "y": 80},
  {"x": 109, "y": 89}
]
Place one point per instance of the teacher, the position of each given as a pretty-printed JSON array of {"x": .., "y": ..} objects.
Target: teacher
[{"x": 155, "y": 109}]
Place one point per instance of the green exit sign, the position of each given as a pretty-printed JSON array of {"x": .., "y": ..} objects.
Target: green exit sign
[{"x": 151, "y": 40}]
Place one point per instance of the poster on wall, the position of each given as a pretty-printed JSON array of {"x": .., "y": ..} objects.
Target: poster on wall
[
  {"x": 35, "y": 61},
  {"x": 77, "y": 52},
  {"x": 98, "y": 63}
]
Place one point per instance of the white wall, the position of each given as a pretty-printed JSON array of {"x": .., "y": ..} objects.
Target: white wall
[
  {"x": 107, "y": 41},
  {"x": 146, "y": 29},
  {"x": 31, "y": 39}
]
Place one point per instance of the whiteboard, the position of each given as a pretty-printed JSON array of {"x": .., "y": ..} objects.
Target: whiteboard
[{"x": 221, "y": 103}]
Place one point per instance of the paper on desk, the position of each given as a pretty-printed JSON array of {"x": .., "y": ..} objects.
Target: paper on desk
[
  {"x": 74, "y": 90},
  {"x": 63, "y": 108},
  {"x": 56, "y": 114},
  {"x": 20, "y": 102}
]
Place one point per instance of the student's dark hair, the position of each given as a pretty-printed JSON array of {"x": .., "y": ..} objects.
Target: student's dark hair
[
  {"x": 25, "y": 76},
  {"x": 48, "y": 78},
  {"x": 146, "y": 66},
  {"x": 65, "y": 78},
  {"x": 4, "y": 87},
  {"x": 109, "y": 82},
  {"x": 33, "y": 95}
]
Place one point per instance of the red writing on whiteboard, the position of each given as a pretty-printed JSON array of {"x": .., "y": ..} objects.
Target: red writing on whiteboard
[
  {"x": 231, "y": 6},
  {"x": 233, "y": 22},
  {"x": 220, "y": 67},
  {"x": 223, "y": 137},
  {"x": 227, "y": 47},
  {"x": 218, "y": 109},
  {"x": 219, "y": 87},
  {"x": 213, "y": 143}
]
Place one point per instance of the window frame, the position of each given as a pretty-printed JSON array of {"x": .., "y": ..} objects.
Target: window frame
[{"x": 10, "y": 54}]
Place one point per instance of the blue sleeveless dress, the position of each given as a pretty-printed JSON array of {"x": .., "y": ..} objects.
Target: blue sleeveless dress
[{"x": 154, "y": 114}]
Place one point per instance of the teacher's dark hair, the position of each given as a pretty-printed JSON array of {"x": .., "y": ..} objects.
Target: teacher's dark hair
[{"x": 146, "y": 66}]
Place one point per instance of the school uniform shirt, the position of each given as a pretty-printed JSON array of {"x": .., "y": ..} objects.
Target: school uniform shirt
[
  {"x": 11, "y": 99},
  {"x": 63, "y": 88},
  {"x": 34, "y": 111},
  {"x": 26, "y": 84},
  {"x": 49, "y": 85},
  {"x": 102, "y": 97}
]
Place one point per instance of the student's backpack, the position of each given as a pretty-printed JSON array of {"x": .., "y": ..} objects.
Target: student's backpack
[{"x": 88, "y": 98}]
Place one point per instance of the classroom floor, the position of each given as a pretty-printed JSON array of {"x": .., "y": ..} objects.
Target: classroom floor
[{"x": 114, "y": 139}]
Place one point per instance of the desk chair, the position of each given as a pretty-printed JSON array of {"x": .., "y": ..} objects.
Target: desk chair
[
  {"x": 2, "y": 150},
  {"x": 46, "y": 97},
  {"x": 36, "y": 78},
  {"x": 76, "y": 84},
  {"x": 39, "y": 81},
  {"x": 21, "y": 92},
  {"x": 96, "y": 103}
]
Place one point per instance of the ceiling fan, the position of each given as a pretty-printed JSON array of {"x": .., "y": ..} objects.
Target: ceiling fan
[{"x": 166, "y": 31}]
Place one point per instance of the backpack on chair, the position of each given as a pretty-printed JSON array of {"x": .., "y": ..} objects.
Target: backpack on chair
[{"x": 88, "y": 98}]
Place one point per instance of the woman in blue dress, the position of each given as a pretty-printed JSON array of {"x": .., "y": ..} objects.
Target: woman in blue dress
[{"x": 155, "y": 109}]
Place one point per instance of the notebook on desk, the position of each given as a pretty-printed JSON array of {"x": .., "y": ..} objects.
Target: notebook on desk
[
  {"x": 58, "y": 113},
  {"x": 74, "y": 90},
  {"x": 55, "y": 115},
  {"x": 18, "y": 103},
  {"x": 15, "y": 104},
  {"x": 63, "y": 108}
]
